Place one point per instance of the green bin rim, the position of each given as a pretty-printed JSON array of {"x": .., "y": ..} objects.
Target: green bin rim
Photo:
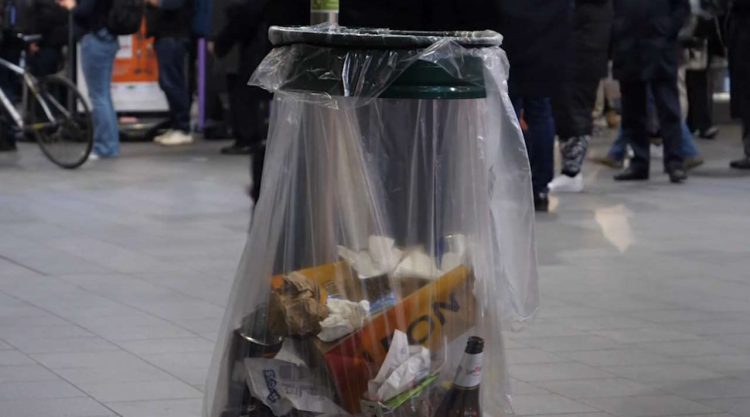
[{"x": 370, "y": 38}]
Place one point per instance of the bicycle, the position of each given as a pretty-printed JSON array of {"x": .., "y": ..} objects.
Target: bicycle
[{"x": 53, "y": 111}]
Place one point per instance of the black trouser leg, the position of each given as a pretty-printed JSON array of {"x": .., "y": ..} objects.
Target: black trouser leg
[
  {"x": 667, "y": 101},
  {"x": 540, "y": 139},
  {"x": 634, "y": 120},
  {"x": 700, "y": 100},
  {"x": 171, "y": 54},
  {"x": 249, "y": 107},
  {"x": 236, "y": 110},
  {"x": 256, "y": 162},
  {"x": 10, "y": 50},
  {"x": 572, "y": 109},
  {"x": 744, "y": 111}
]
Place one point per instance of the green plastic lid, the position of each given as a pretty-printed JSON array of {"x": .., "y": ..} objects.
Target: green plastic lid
[{"x": 418, "y": 79}]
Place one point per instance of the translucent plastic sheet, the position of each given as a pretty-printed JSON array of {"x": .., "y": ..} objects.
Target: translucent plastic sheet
[{"x": 388, "y": 231}]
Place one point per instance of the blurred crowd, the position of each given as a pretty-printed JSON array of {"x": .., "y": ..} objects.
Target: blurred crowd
[
  {"x": 648, "y": 63},
  {"x": 642, "y": 66}
]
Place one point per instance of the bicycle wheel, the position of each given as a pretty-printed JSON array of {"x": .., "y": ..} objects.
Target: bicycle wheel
[{"x": 61, "y": 121}]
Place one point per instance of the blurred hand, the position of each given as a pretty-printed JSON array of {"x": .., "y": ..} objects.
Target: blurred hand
[
  {"x": 210, "y": 47},
  {"x": 68, "y": 4},
  {"x": 33, "y": 48},
  {"x": 153, "y": 3}
]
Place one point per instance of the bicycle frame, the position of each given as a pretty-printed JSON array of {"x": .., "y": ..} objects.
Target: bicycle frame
[{"x": 29, "y": 85}]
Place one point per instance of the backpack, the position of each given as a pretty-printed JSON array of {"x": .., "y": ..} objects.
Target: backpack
[{"x": 125, "y": 16}]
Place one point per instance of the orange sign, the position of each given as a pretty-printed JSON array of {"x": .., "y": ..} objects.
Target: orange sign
[{"x": 136, "y": 59}]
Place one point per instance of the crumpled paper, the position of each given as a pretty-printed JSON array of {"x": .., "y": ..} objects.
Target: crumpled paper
[
  {"x": 344, "y": 318},
  {"x": 404, "y": 366},
  {"x": 296, "y": 309},
  {"x": 380, "y": 258},
  {"x": 418, "y": 264},
  {"x": 284, "y": 387}
]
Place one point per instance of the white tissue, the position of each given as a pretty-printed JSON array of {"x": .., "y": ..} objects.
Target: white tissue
[
  {"x": 344, "y": 317},
  {"x": 417, "y": 264},
  {"x": 380, "y": 258},
  {"x": 415, "y": 369},
  {"x": 403, "y": 367}
]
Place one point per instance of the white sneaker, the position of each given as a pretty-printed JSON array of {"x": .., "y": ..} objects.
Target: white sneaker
[
  {"x": 92, "y": 157},
  {"x": 177, "y": 137},
  {"x": 159, "y": 138},
  {"x": 566, "y": 184}
]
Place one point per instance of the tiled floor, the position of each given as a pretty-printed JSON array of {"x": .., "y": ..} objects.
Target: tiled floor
[{"x": 113, "y": 280}]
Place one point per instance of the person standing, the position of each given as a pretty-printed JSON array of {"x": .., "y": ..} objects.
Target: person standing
[
  {"x": 98, "y": 50},
  {"x": 12, "y": 21},
  {"x": 51, "y": 22},
  {"x": 537, "y": 41},
  {"x": 703, "y": 44},
  {"x": 246, "y": 43},
  {"x": 738, "y": 33},
  {"x": 247, "y": 28},
  {"x": 645, "y": 55},
  {"x": 573, "y": 106},
  {"x": 169, "y": 22}
]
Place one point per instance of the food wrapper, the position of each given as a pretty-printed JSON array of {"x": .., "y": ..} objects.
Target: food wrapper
[{"x": 283, "y": 387}]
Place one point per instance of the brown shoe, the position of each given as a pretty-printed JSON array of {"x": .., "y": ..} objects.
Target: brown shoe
[
  {"x": 691, "y": 163},
  {"x": 613, "y": 120},
  {"x": 608, "y": 161}
]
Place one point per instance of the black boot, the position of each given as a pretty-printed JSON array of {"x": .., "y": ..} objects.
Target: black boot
[
  {"x": 541, "y": 202},
  {"x": 633, "y": 174},
  {"x": 7, "y": 139},
  {"x": 7, "y": 146},
  {"x": 235, "y": 149},
  {"x": 743, "y": 163},
  {"x": 677, "y": 175}
]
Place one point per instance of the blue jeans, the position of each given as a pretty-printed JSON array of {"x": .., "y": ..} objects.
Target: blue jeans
[
  {"x": 540, "y": 138},
  {"x": 98, "y": 52},
  {"x": 171, "y": 54},
  {"x": 689, "y": 150}
]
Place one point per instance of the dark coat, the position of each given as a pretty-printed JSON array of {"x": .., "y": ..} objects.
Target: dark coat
[
  {"x": 173, "y": 18},
  {"x": 432, "y": 15},
  {"x": 592, "y": 29},
  {"x": 738, "y": 42},
  {"x": 90, "y": 15},
  {"x": 50, "y": 21},
  {"x": 247, "y": 23},
  {"x": 537, "y": 36},
  {"x": 536, "y": 32},
  {"x": 644, "y": 34}
]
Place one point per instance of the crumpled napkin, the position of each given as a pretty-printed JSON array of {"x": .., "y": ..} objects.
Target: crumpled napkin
[
  {"x": 344, "y": 317},
  {"x": 404, "y": 366},
  {"x": 380, "y": 258}
]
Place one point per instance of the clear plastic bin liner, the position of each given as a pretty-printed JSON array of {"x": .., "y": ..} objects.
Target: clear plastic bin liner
[{"x": 386, "y": 228}]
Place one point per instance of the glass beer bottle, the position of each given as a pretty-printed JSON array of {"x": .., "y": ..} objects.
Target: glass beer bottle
[{"x": 463, "y": 398}]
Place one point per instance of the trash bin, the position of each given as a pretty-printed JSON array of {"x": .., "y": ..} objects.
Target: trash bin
[{"x": 393, "y": 235}]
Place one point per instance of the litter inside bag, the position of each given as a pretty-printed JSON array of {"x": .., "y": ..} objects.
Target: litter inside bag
[{"x": 395, "y": 222}]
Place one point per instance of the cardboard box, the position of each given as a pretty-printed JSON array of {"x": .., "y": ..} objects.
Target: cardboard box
[{"x": 431, "y": 315}]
